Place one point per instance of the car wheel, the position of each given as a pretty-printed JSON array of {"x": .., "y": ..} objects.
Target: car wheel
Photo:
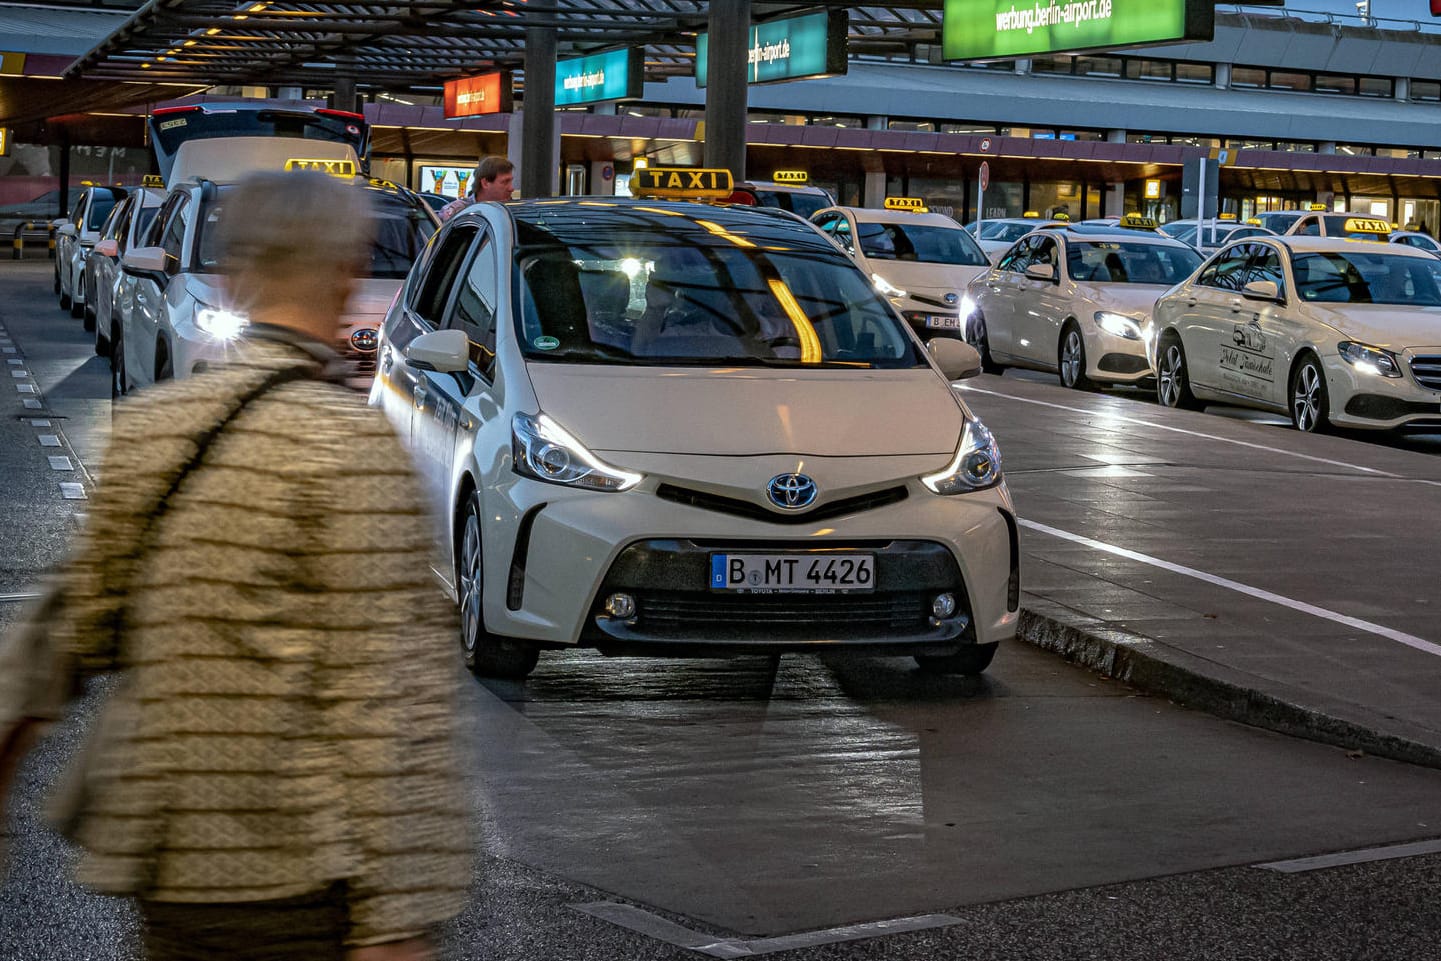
[
  {"x": 1173, "y": 383},
  {"x": 1310, "y": 404},
  {"x": 1072, "y": 359},
  {"x": 118, "y": 386},
  {"x": 970, "y": 660},
  {"x": 982, "y": 342},
  {"x": 486, "y": 654}
]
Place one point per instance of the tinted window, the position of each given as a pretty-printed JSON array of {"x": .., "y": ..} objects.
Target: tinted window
[
  {"x": 919, "y": 242},
  {"x": 474, "y": 310},
  {"x": 1226, "y": 271},
  {"x": 634, "y": 298},
  {"x": 1117, "y": 262},
  {"x": 804, "y": 204},
  {"x": 1368, "y": 278},
  {"x": 172, "y": 236},
  {"x": 100, "y": 208},
  {"x": 440, "y": 275},
  {"x": 1265, "y": 264},
  {"x": 1007, "y": 232}
]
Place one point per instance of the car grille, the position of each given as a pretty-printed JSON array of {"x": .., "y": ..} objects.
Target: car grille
[
  {"x": 1427, "y": 370},
  {"x": 840, "y": 615},
  {"x": 741, "y": 508}
]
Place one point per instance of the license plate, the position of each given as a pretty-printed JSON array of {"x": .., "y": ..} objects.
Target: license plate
[
  {"x": 943, "y": 321},
  {"x": 793, "y": 573}
]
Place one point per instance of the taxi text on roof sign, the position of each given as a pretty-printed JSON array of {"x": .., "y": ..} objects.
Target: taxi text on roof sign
[
  {"x": 1318, "y": 206},
  {"x": 913, "y": 204},
  {"x": 152, "y": 180},
  {"x": 1365, "y": 225},
  {"x": 336, "y": 168},
  {"x": 682, "y": 183},
  {"x": 1137, "y": 222},
  {"x": 791, "y": 177}
]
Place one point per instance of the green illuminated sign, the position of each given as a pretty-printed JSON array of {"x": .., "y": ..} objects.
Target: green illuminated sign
[
  {"x": 990, "y": 29},
  {"x": 811, "y": 45},
  {"x": 617, "y": 75}
]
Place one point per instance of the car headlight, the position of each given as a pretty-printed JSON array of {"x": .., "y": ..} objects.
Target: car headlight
[
  {"x": 976, "y": 466},
  {"x": 968, "y": 306},
  {"x": 1372, "y": 360},
  {"x": 543, "y": 450},
  {"x": 220, "y": 324},
  {"x": 886, "y": 287},
  {"x": 1117, "y": 324}
]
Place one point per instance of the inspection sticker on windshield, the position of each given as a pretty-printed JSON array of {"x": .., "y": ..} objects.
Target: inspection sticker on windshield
[
  {"x": 545, "y": 343},
  {"x": 793, "y": 573}
]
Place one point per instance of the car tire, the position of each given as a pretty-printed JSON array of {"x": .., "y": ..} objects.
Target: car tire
[
  {"x": 982, "y": 343},
  {"x": 969, "y": 661},
  {"x": 486, "y": 654},
  {"x": 1173, "y": 381},
  {"x": 1310, "y": 402},
  {"x": 1071, "y": 358},
  {"x": 118, "y": 387},
  {"x": 64, "y": 300}
]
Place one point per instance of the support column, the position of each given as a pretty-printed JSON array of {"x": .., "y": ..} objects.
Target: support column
[
  {"x": 878, "y": 123},
  {"x": 726, "y": 94},
  {"x": 875, "y": 189},
  {"x": 538, "y": 137},
  {"x": 63, "y": 204},
  {"x": 344, "y": 94},
  {"x": 1115, "y": 204}
]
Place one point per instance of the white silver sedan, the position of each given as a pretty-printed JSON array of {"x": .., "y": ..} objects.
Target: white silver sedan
[{"x": 1328, "y": 330}]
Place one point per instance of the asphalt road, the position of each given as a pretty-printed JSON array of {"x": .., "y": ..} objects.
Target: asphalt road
[{"x": 628, "y": 807}]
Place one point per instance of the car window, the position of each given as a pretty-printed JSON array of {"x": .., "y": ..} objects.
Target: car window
[
  {"x": 1226, "y": 271},
  {"x": 828, "y": 222},
  {"x": 172, "y": 234},
  {"x": 631, "y": 297},
  {"x": 475, "y": 303},
  {"x": 434, "y": 290},
  {"x": 922, "y": 243},
  {"x": 1310, "y": 227},
  {"x": 1043, "y": 251},
  {"x": 402, "y": 230},
  {"x": 114, "y": 224},
  {"x": 1367, "y": 278},
  {"x": 141, "y": 221},
  {"x": 1265, "y": 264},
  {"x": 1003, "y": 231},
  {"x": 100, "y": 206},
  {"x": 1119, "y": 262},
  {"x": 843, "y": 235},
  {"x": 1018, "y": 258}
]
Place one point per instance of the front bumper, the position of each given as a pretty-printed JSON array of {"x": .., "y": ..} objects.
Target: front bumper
[
  {"x": 1115, "y": 359},
  {"x": 1370, "y": 402}
]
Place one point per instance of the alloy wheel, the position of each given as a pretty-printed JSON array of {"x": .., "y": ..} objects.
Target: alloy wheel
[
  {"x": 1170, "y": 376},
  {"x": 1307, "y": 397},
  {"x": 470, "y": 583}
]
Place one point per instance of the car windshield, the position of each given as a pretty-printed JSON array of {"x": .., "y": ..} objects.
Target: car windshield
[
  {"x": 1178, "y": 228},
  {"x": 1004, "y": 231},
  {"x": 1368, "y": 278},
  {"x": 400, "y": 232},
  {"x": 1119, "y": 262},
  {"x": 801, "y": 204},
  {"x": 923, "y": 243},
  {"x": 100, "y": 208},
  {"x": 630, "y": 299}
]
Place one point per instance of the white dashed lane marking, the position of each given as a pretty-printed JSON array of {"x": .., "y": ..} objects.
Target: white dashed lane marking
[
  {"x": 49, "y": 440},
  {"x": 60, "y": 463},
  {"x": 73, "y": 492},
  {"x": 31, "y": 403},
  {"x": 1341, "y": 858}
]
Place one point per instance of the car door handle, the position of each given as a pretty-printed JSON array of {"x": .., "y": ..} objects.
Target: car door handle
[
  {"x": 419, "y": 397},
  {"x": 388, "y": 361}
]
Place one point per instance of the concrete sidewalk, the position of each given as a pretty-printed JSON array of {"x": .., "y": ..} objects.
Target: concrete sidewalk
[{"x": 1274, "y": 578}]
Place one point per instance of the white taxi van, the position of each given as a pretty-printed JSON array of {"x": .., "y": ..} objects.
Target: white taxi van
[
  {"x": 921, "y": 262},
  {"x": 1328, "y": 330},
  {"x": 659, "y": 426},
  {"x": 1076, "y": 300}
]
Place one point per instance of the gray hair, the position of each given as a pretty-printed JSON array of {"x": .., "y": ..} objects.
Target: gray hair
[{"x": 289, "y": 224}]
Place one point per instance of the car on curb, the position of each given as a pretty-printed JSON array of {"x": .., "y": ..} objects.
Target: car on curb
[
  {"x": 126, "y": 224},
  {"x": 661, "y": 426},
  {"x": 74, "y": 240},
  {"x": 920, "y": 262},
  {"x": 1330, "y": 331},
  {"x": 1076, "y": 301}
]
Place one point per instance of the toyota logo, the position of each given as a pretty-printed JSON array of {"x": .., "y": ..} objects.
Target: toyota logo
[
  {"x": 365, "y": 339},
  {"x": 792, "y": 492},
  {"x": 951, "y": 299}
]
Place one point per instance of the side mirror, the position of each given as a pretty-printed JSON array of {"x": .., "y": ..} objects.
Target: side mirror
[
  {"x": 143, "y": 260},
  {"x": 1041, "y": 272},
  {"x": 443, "y": 351},
  {"x": 64, "y": 228},
  {"x": 956, "y": 358},
  {"x": 1261, "y": 290},
  {"x": 107, "y": 248}
]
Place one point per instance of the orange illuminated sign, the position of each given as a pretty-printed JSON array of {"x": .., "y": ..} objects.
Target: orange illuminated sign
[{"x": 475, "y": 96}]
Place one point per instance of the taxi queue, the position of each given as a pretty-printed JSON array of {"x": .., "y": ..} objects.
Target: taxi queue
[{"x": 702, "y": 413}]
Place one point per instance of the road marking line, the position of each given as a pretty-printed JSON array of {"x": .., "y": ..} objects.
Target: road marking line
[
  {"x": 19, "y": 373},
  {"x": 49, "y": 440},
  {"x": 31, "y": 403},
  {"x": 15, "y": 361},
  {"x": 1386, "y": 853},
  {"x": 60, "y": 463},
  {"x": 1400, "y": 637},
  {"x": 39, "y": 423},
  {"x": 24, "y": 388},
  {"x": 73, "y": 492},
  {"x": 12, "y": 598},
  {"x": 1181, "y": 430},
  {"x": 654, "y": 926}
]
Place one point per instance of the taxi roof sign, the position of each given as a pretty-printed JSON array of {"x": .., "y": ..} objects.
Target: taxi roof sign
[
  {"x": 1365, "y": 225},
  {"x": 336, "y": 168},
  {"x": 916, "y": 205},
  {"x": 791, "y": 177},
  {"x": 1062, "y": 217},
  {"x": 1137, "y": 222},
  {"x": 1318, "y": 207},
  {"x": 1031, "y": 214},
  {"x": 682, "y": 183},
  {"x": 1227, "y": 215},
  {"x": 152, "y": 180}
]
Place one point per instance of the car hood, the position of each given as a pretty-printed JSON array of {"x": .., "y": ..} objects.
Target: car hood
[
  {"x": 1394, "y": 327},
  {"x": 751, "y": 411},
  {"x": 1132, "y": 300},
  {"x": 927, "y": 278}
]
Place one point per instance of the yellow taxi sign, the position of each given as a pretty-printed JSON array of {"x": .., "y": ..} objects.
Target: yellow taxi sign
[
  {"x": 1063, "y": 218},
  {"x": 336, "y": 168},
  {"x": 1317, "y": 207},
  {"x": 1254, "y": 221},
  {"x": 152, "y": 180},
  {"x": 915, "y": 205},
  {"x": 1137, "y": 222},
  {"x": 1365, "y": 225},
  {"x": 1031, "y": 214},
  {"x": 791, "y": 177},
  {"x": 1227, "y": 215},
  {"x": 682, "y": 183}
]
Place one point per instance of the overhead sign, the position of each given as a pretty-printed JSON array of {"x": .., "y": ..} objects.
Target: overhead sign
[
  {"x": 617, "y": 75},
  {"x": 336, "y": 168},
  {"x": 476, "y": 96},
  {"x": 994, "y": 29},
  {"x": 791, "y": 177},
  {"x": 792, "y": 48},
  {"x": 682, "y": 183}
]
